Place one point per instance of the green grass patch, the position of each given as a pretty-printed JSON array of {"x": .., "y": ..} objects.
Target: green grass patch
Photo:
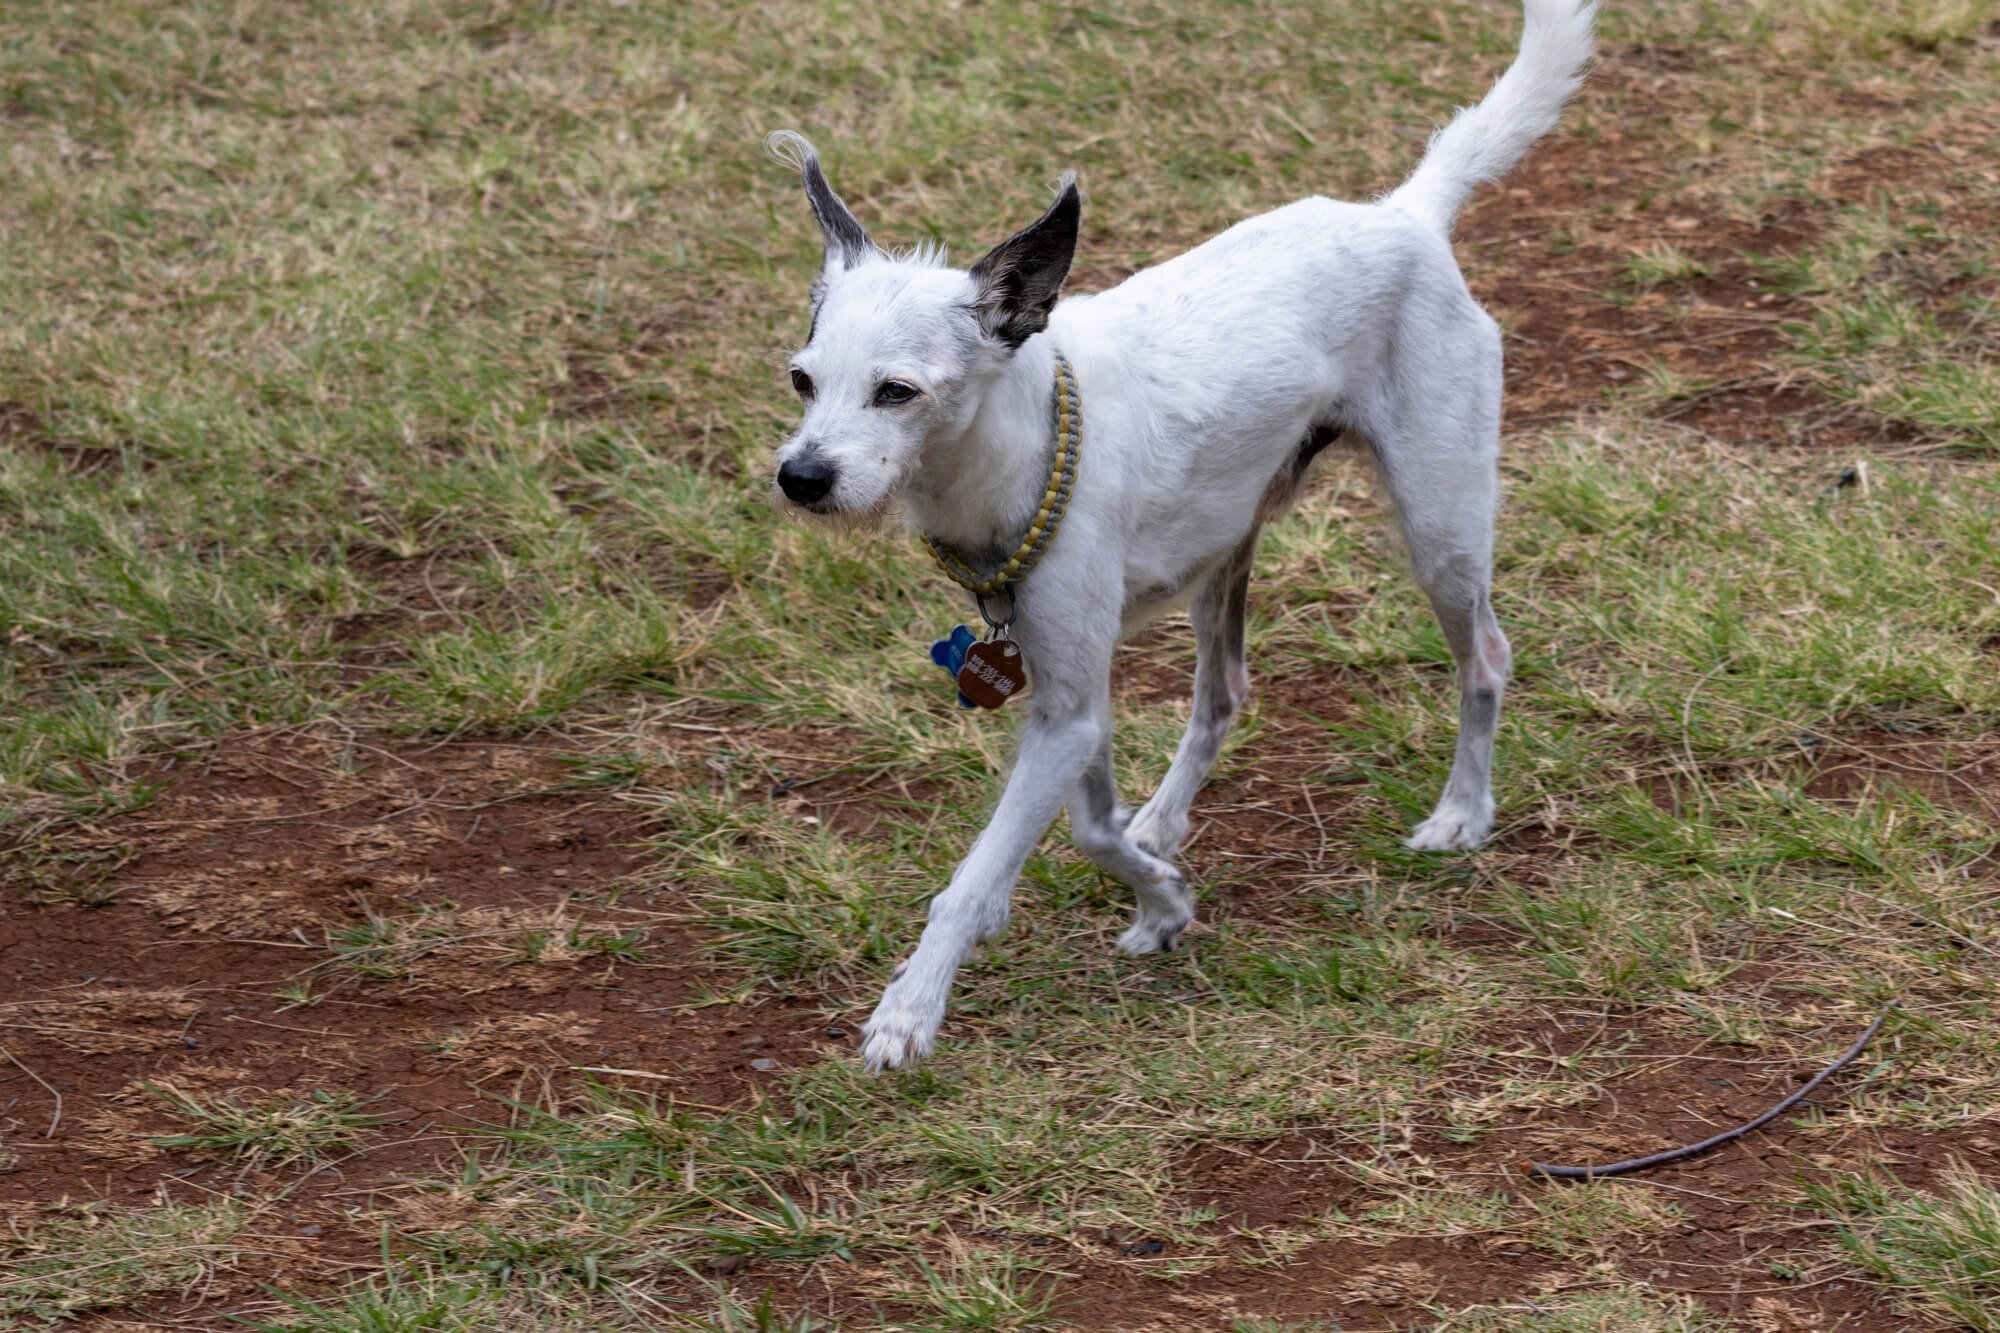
[
  {"x": 1592, "y": 1312},
  {"x": 277, "y": 1129},
  {"x": 99, "y": 1259},
  {"x": 1940, "y": 1248}
]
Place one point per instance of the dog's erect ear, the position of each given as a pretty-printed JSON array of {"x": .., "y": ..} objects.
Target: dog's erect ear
[
  {"x": 1019, "y": 281},
  {"x": 847, "y": 242}
]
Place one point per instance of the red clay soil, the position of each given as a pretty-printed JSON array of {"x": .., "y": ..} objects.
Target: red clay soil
[
  {"x": 1579, "y": 332},
  {"x": 1547, "y": 254},
  {"x": 232, "y": 880},
  {"x": 1265, "y": 827},
  {"x": 1952, "y": 774},
  {"x": 251, "y": 854},
  {"x": 1740, "y": 1249},
  {"x": 1740, "y": 1246}
]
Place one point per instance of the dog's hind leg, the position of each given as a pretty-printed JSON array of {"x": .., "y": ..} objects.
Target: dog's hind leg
[
  {"x": 1221, "y": 684},
  {"x": 1440, "y": 460},
  {"x": 1166, "y": 904}
]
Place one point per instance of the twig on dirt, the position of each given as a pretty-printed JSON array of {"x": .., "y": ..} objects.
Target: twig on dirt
[
  {"x": 54, "y": 1123},
  {"x": 1688, "y": 401},
  {"x": 644, "y": 1073},
  {"x": 628, "y": 1073},
  {"x": 1305, "y": 790},
  {"x": 1716, "y": 1140}
]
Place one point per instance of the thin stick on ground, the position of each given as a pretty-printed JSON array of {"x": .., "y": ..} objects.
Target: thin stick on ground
[
  {"x": 56, "y": 1122},
  {"x": 1717, "y": 1140}
]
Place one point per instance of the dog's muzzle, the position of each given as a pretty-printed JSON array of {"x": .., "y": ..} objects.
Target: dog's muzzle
[{"x": 806, "y": 480}]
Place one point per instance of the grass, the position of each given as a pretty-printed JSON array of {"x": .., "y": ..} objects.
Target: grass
[
  {"x": 986, "y": 1290},
  {"x": 405, "y": 1300},
  {"x": 1940, "y": 1249},
  {"x": 441, "y": 938},
  {"x": 1602, "y": 1313},
  {"x": 275, "y": 1129},
  {"x": 1661, "y": 264},
  {"x": 101, "y": 1259},
  {"x": 413, "y": 375}
]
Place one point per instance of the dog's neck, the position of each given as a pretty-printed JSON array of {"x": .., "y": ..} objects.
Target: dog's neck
[{"x": 978, "y": 490}]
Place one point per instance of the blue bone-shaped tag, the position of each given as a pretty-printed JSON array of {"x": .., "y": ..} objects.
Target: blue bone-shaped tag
[{"x": 950, "y": 654}]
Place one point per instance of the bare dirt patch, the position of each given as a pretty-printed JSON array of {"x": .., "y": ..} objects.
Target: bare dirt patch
[
  {"x": 1553, "y": 253},
  {"x": 428, "y": 928},
  {"x": 1732, "y": 1240},
  {"x": 1266, "y": 825},
  {"x": 1952, "y": 773},
  {"x": 1549, "y": 252}
]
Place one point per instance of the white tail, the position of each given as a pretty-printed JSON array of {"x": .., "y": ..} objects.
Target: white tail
[{"x": 1482, "y": 143}]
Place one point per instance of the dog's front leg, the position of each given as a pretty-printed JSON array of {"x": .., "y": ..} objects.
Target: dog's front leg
[{"x": 1057, "y": 743}]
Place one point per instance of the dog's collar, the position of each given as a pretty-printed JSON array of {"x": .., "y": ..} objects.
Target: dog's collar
[{"x": 1042, "y": 527}]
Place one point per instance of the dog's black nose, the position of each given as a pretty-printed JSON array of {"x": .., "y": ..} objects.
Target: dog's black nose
[{"x": 805, "y": 480}]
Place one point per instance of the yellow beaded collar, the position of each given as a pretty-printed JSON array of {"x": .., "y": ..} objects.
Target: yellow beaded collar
[{"x": 1042, "y": 528}]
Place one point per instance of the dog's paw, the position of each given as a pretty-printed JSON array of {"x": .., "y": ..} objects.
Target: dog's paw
[
  {"x": 902, "y": 1030},
  {"x": 1156, "y": 836},
  {"x": 1163, "y": 914},
  {"x": 1456, "y": 826}
]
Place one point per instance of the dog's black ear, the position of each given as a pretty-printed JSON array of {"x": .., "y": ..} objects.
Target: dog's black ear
[
  {"x": 1019, "y": 281},
  {"x": 847, "y": 242}
]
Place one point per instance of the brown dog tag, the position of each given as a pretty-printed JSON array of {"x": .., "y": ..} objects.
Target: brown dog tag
[{"x": 994, "y": 672}]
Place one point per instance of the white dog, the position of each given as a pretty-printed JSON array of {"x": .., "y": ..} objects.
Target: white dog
[{"x": 1205, "y": 385}]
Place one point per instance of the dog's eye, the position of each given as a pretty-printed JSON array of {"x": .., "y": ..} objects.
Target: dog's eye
[
  {"x": 803, "y": 383},
  {"x": 893, "y": 392}
]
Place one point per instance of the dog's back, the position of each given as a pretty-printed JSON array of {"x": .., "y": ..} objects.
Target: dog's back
[
  {"x": 1213, "y": 372},
  {"x": 1218, "y": 373}
]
